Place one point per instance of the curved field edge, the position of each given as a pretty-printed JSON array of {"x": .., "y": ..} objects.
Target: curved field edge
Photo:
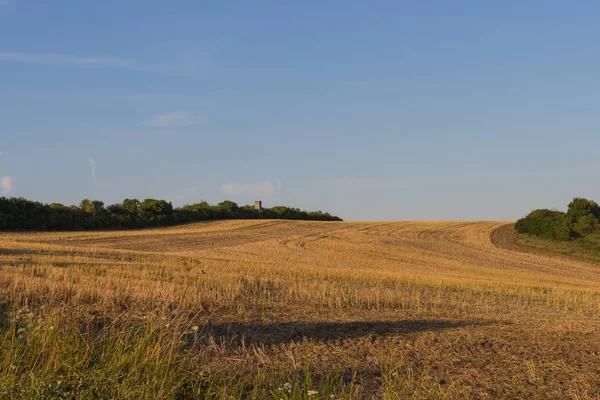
[{"x": 587, "y": 249}]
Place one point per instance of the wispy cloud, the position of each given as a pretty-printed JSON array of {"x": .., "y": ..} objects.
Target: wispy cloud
[
  {"x": 177, "y": 119},
  {"x": 90, "y": 61},
  {"x": 3, "y": 2},
  {"x": 6, "y": 185},
  {"x": 256, "y": 190},
  {"x": 1, "y": 153},
  {"x": 93, "y": 165}
]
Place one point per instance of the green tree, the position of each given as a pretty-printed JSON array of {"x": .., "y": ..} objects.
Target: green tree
[
  {"x": 580, "y": 207},
  {"x": 156, "y": 212},
  {"x": 228, "y": 209}
]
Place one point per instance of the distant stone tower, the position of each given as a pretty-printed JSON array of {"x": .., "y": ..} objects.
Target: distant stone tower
[{"x": 258, "y": 206}]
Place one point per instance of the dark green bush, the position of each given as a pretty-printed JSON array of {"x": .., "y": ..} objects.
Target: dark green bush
[
  {"x": 585, "y": 225},
  {"x": 581, "y": 219},
  {"x": 547, "y": 224}
]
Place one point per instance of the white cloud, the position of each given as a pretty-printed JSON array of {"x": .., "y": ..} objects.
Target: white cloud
[
  {"x": 1, "y": 153},
  {"x": 3, "y": 2},
  {"x": 177, "y": 119},
  {"x": 356, "y": 184},
  {"x": 6, "y": 185},
  {"x": 93, "y": 164},
  {"x": 256, "y": 190},
  {"x": 92, "y": 61}
]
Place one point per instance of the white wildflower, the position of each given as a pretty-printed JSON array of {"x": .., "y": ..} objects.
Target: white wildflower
[
  {"x": 287, "y": 386},
  {"x": 312, "y": 392}
]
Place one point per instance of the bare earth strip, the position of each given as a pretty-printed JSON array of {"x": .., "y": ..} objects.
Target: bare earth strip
[{"x": 399, "y": 309}]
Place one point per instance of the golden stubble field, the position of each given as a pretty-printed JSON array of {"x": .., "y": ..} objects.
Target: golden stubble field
[{"x": 293, "y": 309}]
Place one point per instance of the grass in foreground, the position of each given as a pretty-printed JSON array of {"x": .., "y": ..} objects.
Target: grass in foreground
[{"x": 586, "y": 248}]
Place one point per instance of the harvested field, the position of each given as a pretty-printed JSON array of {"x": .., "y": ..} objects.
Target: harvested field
[{"x": 278, "y": 309}]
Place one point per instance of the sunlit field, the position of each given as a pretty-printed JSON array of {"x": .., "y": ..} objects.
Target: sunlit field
[{"x": 294, "y": 310}]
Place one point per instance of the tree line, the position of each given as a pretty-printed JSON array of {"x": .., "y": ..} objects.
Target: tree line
[
  {"x": 581, "y": 219},
  {"x": 17, "y": 214}
]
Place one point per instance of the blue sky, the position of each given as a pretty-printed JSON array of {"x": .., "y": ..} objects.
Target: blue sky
[{"x": 370, "y": 110}]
